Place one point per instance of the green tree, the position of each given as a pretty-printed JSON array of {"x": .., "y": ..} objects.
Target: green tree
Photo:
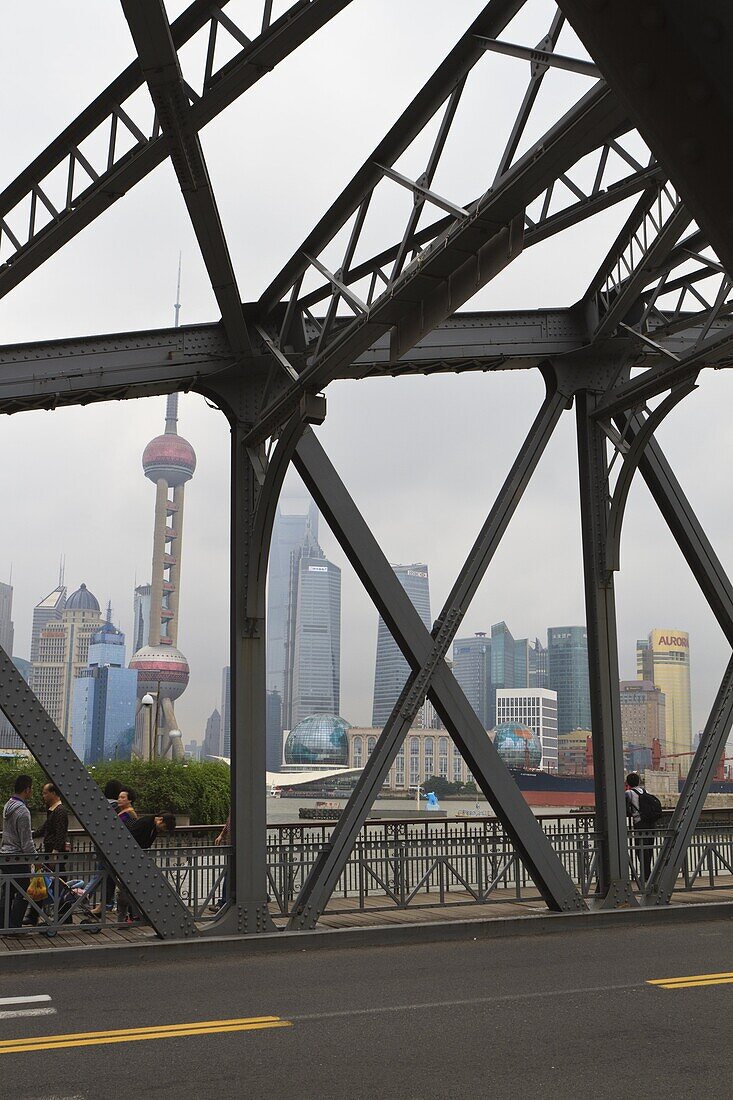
[{"x": 201, "y": 791}]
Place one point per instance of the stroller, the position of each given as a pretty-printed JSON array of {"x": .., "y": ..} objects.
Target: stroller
[{"x": 64, "y": 901}]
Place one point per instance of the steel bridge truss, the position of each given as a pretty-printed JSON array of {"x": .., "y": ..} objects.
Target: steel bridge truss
[{"x": 655, "y": 314}]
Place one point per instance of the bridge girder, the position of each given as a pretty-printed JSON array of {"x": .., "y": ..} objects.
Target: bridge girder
[{"x": 660, "y": 303}]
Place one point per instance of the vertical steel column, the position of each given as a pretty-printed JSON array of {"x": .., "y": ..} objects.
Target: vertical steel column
[
  {"x": 255, "y": 488},
  {"x": 614, "y": 887},
  {"x": 248, "y": 865}
]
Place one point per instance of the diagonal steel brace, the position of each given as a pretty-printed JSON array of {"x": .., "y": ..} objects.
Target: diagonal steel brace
[
  {"x": 142, "y": 879},
  {"x": 425, "y": 653},
  {"x": 716, "y": 587}
]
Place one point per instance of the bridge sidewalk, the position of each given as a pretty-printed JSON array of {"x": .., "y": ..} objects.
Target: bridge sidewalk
[{"x": 344, "y": 913}]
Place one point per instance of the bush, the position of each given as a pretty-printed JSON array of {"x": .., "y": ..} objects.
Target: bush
[{"x": 199, "y": 790}]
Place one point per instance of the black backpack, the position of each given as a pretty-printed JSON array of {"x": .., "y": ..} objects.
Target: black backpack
[{"x": 650, "y": 807}]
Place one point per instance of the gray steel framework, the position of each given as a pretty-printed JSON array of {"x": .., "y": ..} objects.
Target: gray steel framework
[{"x": 656, "y": 314}]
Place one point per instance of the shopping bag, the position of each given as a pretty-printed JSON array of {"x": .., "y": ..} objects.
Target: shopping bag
[{"x": 37, "y": 889}]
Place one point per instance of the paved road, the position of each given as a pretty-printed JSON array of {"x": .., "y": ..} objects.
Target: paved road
[{"x": 537, "y": 1017}]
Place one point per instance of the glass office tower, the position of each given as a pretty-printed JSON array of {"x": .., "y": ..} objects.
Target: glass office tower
[
  {"x": 313, "y": 640},
  {"x": 567, "y": 674},
  {"x": 391, "y": 669}
]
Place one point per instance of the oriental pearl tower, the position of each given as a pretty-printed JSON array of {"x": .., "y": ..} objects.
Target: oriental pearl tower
[{"x": 169, "y": 461}]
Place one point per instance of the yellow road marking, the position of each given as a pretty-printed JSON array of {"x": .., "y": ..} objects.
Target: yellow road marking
[
  {"x": 691, "y": 981},
  {"x": 133, "y": 1035}
]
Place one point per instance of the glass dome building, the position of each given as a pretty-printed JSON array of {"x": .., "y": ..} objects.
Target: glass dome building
[
  {"x": 319, "y": 739},
  {"x": 518, "y": 746}
]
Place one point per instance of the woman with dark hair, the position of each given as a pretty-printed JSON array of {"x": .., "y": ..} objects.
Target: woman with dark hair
[
  {"x": 112, "y": 790},
  {"x": 125, "y": 809}
]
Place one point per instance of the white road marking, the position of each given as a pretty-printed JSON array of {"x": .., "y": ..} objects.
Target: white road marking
[
  {"x": 25, "y": 1000},
  {"x": 13, "y": 1015},
  {"x": 463, "y": 1003}
]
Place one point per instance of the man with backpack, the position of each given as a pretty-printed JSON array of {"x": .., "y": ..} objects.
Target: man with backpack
[{"x": 645, "y": 810}]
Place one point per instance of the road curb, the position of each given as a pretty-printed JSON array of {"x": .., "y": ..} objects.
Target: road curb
[{"x": 486, "y": 928}]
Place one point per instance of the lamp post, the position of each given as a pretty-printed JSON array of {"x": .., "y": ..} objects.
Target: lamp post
[{"x": 148, "y": 701}]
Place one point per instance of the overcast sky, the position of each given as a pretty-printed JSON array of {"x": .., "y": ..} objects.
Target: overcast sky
[{"x": 423, "y": 458}]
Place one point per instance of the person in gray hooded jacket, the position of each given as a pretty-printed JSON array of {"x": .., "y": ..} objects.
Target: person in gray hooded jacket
[{"x": 16, "y": 852}]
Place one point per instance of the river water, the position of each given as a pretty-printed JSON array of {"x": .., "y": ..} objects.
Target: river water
[{"x": 281, "y": 811}]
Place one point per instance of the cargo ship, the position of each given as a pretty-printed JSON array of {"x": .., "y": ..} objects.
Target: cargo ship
[{"x": 541, "y": 788}]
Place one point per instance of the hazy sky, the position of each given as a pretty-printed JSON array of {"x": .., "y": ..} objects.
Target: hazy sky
[{"x": 423, "y": 458}]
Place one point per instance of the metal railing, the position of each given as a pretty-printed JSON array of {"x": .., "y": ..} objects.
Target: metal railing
[
  {"x": 77, "y": 890},
  {"x": 469, "y": 861},
  {"x": 394, "y": 864}
]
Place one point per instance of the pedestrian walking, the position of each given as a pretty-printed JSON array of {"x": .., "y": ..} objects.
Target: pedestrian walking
[
  {"x": 645, "y": 810},
  {"x": 17, "y": 852},
  {"x": 54, "y": 834}
]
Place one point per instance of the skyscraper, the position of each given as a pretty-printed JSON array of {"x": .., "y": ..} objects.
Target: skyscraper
[
  {"x": 472, "y": 670},
  {"x": 212, "y": 736},
  {"x": 6, "y": 618},
  {"x": 536, "y": 664},
  {"x": 664, "y": 659},
  {"x": 391, "y": 669},
  {"x": 567, "y": 674},
  {"x": 643, "y": 715},
  {"x": 104, "y": 700},
  {"x": 226, "y": 711},
  {"x": 287, "y": 535},
  {"x": 8, "y": 737},
  {"x": 63, "y": 651},
  {"x": 503, "y": 653},
  {"x": 313, "y": 654},
  {"x": 169, "y": 461},
  {"x": 47, "y": 611}
]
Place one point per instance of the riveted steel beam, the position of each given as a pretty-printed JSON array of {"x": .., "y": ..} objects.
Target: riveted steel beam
[
  {"x": 161, "y": 68},
  {"x": 464, "y": 258},
  {"x": 717, "y": 350},
  {"x": 86, "y": 201},
  {"x": 669, "y": 64},
  {"x": 614, "y": 887},
  {"x": 142, "y": 879},
  {"x": 333, "y": 857},
  {"x": 419, "y": 648}
]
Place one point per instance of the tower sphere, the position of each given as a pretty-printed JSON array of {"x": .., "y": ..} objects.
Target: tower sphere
[
  {"x": 160, "y": 668},
  {"x": 171, "y": 458}
]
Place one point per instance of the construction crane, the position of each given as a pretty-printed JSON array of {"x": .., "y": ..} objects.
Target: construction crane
[{"x": 658, "y": 756}]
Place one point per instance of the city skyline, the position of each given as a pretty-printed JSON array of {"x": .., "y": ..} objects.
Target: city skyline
[
  {"x": 60, "y": 593},
  {"x": 403, "y": 488}
]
